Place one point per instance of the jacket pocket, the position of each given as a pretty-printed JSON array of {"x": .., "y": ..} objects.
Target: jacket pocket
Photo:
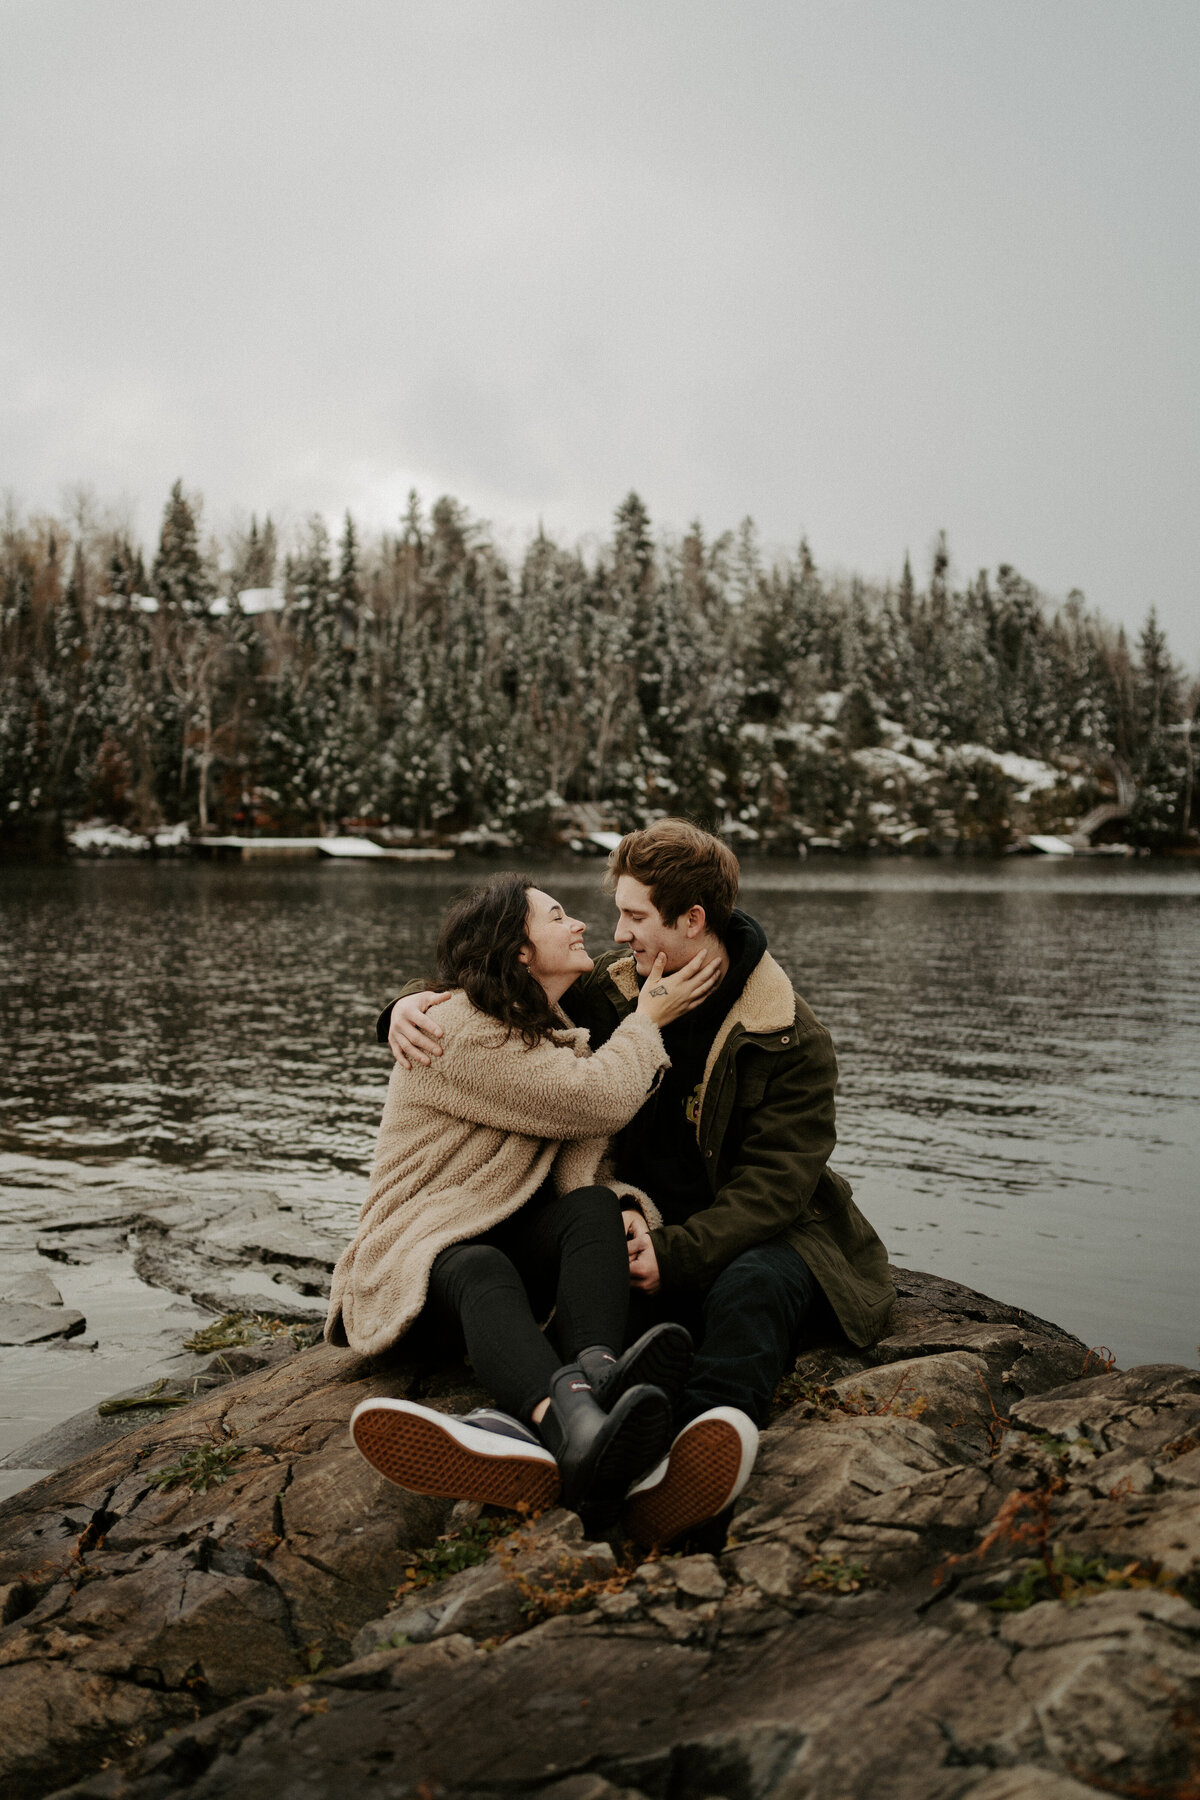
[
  {"x": 752, "y": 1083},
  {"x": 830, "y": 1200}
]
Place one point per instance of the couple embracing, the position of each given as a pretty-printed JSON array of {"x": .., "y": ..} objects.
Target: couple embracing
[{"x": 635, "y": 1149}]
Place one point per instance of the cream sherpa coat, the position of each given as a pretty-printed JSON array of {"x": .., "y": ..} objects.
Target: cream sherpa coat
[{"x": 467, "y": 1141}]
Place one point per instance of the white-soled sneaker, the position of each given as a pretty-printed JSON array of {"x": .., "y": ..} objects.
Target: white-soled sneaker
[
  {"x": 486, "y": 1455},
  {"x": 704, "y": 1471}
]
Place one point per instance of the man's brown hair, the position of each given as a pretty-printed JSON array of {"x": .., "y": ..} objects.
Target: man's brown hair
[{"x": 682, "y": 866}]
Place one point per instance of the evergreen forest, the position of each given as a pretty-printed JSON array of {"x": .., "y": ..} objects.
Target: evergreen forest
[{"x": 423, "y": 683}]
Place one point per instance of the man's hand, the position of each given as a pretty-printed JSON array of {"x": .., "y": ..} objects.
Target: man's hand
[
  {"x": 643, "y": 1264},
  {"x": 411, "y": 1037}
]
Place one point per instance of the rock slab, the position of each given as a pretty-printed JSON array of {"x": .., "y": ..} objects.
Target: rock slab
[
  {"x": 842, "y": 1643},
  {"x": 32, "y": 1311}
]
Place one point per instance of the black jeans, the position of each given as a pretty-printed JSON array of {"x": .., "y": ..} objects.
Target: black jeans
[
  {"x": 745, "y": 1328},
  {"x": 567, "y": 1253}
]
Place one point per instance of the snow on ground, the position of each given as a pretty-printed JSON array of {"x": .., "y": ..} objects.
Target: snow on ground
[
  {"x": 880, "y": 763},
  {"x": 813, "y": 738},
  {"x": 105, "y": 840},
  {"x": 94, "y": 838},
  {"x": 1030, "y": 775}
]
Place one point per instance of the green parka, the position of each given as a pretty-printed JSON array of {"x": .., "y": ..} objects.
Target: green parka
[{"x": 765, "y": 1126}]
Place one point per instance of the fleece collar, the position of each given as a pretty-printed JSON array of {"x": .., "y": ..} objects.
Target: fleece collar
[
  {"x": 766, "y": 1003},
  {"x": 623, "y": 975}
]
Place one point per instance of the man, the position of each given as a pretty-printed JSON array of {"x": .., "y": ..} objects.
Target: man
[{"x": 733, "y": 1148}]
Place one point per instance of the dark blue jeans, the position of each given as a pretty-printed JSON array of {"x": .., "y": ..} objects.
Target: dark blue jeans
[{"x": 745, "y": 1328}]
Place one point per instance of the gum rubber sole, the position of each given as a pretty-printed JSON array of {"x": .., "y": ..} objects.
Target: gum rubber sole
[
  {"x": 700, "y": 1478},
  {"x": 421, "y": 1456}
]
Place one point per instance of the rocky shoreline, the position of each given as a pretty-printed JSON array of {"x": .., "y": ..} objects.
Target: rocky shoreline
[
  {"x": 226, "y": 1599},
  {"x": 159, "y": 1258}
]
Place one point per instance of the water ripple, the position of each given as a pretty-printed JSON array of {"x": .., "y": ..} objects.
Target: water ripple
[{"x": 1019, "y": 1048}]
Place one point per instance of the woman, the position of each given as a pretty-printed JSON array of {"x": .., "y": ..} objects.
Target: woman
[{"x": 488, "y": 1187}]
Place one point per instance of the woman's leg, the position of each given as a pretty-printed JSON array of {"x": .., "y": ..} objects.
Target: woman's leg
[
  {"x": 477, "y": 1285},
  {"x": 601, "y": 1446},
  {"x": 577, "y": 1448},
  {"x": 571, "y": 1252},
  {"x": 572, "y": 1248}
]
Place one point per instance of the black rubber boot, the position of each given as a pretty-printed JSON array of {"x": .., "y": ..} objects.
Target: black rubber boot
[
  {"x": 600, "y": 1454},
  {"x": 662, "y": 1356}
]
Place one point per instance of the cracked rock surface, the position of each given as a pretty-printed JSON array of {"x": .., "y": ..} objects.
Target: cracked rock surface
[
  {"x": 842, "y": 1642},
  {"x": 32, "y": 1311}
]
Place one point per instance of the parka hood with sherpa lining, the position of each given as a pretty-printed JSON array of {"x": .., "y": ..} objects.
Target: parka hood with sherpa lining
[{"x": 766, "y": 1004}]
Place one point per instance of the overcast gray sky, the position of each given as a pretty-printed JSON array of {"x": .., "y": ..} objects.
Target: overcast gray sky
[{"x": 861, "y": 270}]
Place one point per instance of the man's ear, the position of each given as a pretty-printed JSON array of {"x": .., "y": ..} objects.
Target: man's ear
[{"x": 696, "y": 919}]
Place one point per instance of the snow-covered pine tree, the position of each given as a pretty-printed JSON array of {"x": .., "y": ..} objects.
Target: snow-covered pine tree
[{"x": 180, "y": 575}]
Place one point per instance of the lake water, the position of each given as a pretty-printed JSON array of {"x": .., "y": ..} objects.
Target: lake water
[{"x": 1019, "y": 1047}]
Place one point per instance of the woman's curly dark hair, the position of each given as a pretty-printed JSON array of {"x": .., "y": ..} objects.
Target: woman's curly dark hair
[{"x": 479, "y": 949}]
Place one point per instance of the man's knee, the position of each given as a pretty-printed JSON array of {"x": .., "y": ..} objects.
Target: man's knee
[{"x": 769, "y": 1278}]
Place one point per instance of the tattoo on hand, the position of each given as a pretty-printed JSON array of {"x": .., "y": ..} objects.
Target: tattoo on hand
[{"x": 660, "y": 989}]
